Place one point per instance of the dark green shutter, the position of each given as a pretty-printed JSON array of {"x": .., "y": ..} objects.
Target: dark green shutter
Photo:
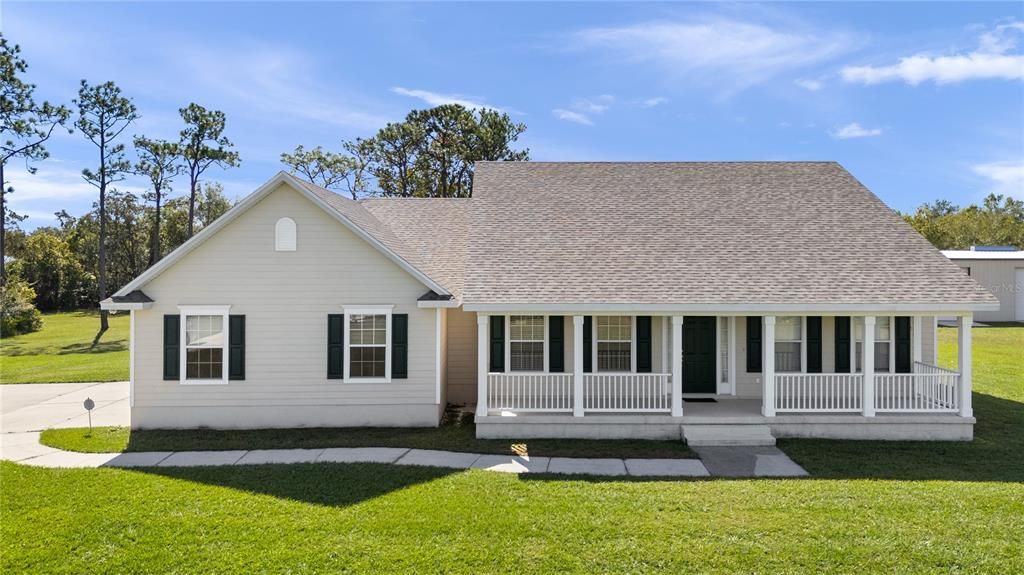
[
  {"x": 399, "y": 346},
  {"x": 842, "y": 345},
  {"x": 172, "y": 349},
  {"x": 335, "y": 346},
  {"x": 903, "y": 345},
  {"x": 813, "y": 344},
  {"x": 588, "y": 344},
  {"x": 556, "y": 344},
  {"x": 643, "y": 344},
  {"x": 753, "y": 344},
  {"x": 236, "y": 347},
  {"x": 497, "y": 343}
]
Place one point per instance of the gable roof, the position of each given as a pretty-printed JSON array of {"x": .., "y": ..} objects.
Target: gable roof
[
  {"x": 697, "y": 235},
  {"x": 348, "y": 212}
]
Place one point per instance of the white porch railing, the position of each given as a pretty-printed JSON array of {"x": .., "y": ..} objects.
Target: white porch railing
[
  {"x": 627, "y": 392},
  {"x": 929, "y": 389},
  {"x": 530, "y": 391},
  {"x": 818, "y": 392}
]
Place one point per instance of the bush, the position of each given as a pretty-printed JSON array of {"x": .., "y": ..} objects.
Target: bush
[{"x": 17, "y": 313}]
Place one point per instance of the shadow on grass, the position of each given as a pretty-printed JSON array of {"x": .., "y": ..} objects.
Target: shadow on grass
[
  {"x": 329, "y": 484},
  {"x": 95, "y": 346},
  {"x": 996, "y": 454}
]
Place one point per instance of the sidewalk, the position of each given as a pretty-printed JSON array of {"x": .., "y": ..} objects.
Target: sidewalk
[{"x": 24, "y": 448}]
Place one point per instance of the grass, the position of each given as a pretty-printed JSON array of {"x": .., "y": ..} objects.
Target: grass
[
  {"x": 870, "y": 508},
  {"x": 997, "y": 452},
  {"x": 64, "y": 350},
  {"x": 458, "y": 434}
]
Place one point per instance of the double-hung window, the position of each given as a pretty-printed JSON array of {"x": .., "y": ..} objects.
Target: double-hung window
[
  {"x": 367, "y": 339},
  {"x": 883, "y": 342},
  {"x": 526, "y": 342},
  {"x": 788, "y": 343},
  {"x": 204, "y": 332},
  {"x": 614, "y": 343}
]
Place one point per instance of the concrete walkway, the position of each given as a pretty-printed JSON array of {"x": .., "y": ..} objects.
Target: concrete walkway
[
  {"x": 24, "y": 448},
  {"x": 26, "y": 410}
]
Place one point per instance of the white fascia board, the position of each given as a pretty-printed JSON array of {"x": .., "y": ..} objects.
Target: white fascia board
[
  {"x": 251, "y": 200},
  {"x": 110, "y": 305},
  {"x": 740, "y": 309},
  {"x": 430, "y": 304}
]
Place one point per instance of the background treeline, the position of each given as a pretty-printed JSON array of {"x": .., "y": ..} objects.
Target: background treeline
[{"x": 998, "y": 221}]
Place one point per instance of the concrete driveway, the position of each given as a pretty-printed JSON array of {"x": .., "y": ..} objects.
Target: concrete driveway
[{"x": 35, "y": 407}]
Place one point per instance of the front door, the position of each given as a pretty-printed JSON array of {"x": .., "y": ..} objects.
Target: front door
[{"x": 699, "y": 355}]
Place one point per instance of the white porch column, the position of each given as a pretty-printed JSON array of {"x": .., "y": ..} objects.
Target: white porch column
[
  {"x": 915, "y": 338},
  {"x": 768, "y": 366},
  {"x": 867, "y": 357},
  {"x": 732, "y": 355},
  {"x": 482, "y": 341},
  {"x": 677, "y": 366},
  {"x": 964, "y": 364},
  {"x": 577, "y": 365}
]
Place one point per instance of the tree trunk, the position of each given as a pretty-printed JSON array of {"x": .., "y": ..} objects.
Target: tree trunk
[
  {"x": 154, "y": 244},
  {"x": 3, "y": 227},
  {"x": 102, "y": 283},
  {"x": 191, "y": 207}
]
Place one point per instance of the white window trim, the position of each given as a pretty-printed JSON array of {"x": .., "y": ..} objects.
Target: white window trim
[
  {"x": 802, "y": 341},
  {"x": 384, "y": 310},
  {"x": 187, "y": 310},
  {"x": 632, "y": 345},
  {"x": 508, "y": 342}
]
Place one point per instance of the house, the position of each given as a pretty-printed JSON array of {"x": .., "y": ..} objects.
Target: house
[
  {"x": 562, "y": 299},
  {"x": 1001, "y": 270}
]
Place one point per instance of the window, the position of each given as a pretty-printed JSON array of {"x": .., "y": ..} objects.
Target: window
[
  {"x": 367, "y": 339},
  {"x": 526, "y": 343},
  {"x": 883, "y": 342},
  {"x": 788, "y": 343},
  {"x": 284, "y": 235},
  {"x": 204, "y": 331},
  {"x": 614, "y": 343}
]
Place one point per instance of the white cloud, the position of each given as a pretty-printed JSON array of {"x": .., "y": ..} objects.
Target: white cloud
[
  {"x": 653, "y": 102},
  {"x": 731, "y": 52},
  {"x": 54, "y": 186},
  {"x": 437, "y": 99},
  {"x": 992, "y": 60},
  {"x": 596, "y": 105},
  {"x": 855, "y": 130},
  {"x": 1007, "y": 178},
  {"x": 571, "y": 116},
  {"x": 811, "y": 85}
]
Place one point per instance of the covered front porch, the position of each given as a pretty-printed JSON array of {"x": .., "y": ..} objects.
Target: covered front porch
[{"x": 545, "y": 375}]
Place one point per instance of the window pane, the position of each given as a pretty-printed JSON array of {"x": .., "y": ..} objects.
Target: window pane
[
  {"x": 882, "y": 328},
  {"x": 787, "y": 356},
  {"x": 526, "y": 356},
  {"x": 787, "y": 328},
  {"x": 613, "y": 356},
  {"x": 526, "y": 328},
  {"x": 882, "y": 356},
  {"x": 367, "y": 329},
  {"x": 614, "y": 328},
  {"x": 367, "y": 361},
  {"x": 204, "y": 363},
  {"x": 204, "y": 330}
]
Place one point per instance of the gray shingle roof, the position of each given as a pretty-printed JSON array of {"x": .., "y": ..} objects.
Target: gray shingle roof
[{"x": 790, "y": 233}]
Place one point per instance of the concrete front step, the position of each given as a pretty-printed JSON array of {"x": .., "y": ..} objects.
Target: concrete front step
[{"x": 704, "y": 435}]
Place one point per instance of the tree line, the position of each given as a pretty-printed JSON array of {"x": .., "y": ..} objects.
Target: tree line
[
  {"x": 431, "y": 153},
  {"x": 998, "y": 221}
]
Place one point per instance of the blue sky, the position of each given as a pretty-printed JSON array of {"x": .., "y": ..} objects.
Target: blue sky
[{"x": 919, "y": 101}]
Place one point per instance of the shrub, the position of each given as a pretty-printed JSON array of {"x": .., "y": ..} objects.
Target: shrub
[{"x": 17, "y": 313}]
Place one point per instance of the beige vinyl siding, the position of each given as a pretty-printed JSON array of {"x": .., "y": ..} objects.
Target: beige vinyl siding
[
  {"x": 286, "y": 297},
  {"x": 462, "y": 360},
  {"x": 1000, "y": 278},
  {"x": 928, "y": 351}
]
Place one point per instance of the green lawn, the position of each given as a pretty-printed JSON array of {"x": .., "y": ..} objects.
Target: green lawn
[
  {"x": 870, "y": 508},
  {"x": 64, "y": 350}
]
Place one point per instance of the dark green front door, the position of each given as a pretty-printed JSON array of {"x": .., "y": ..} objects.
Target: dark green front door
[{"x": 699, "y": 355}]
